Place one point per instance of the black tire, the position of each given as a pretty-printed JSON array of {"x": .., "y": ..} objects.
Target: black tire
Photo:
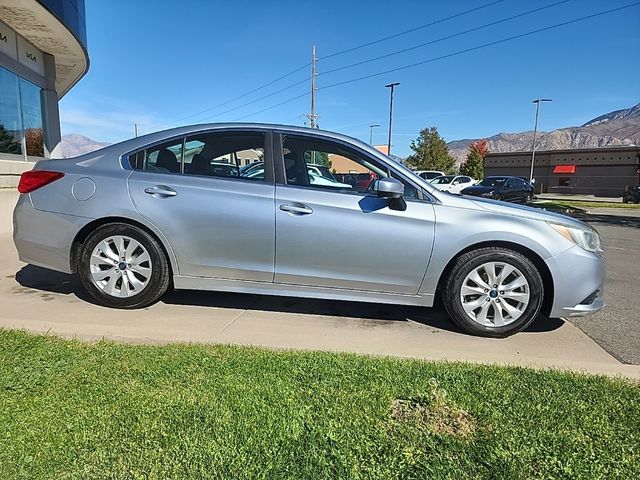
[
  {"x": 159, "y": 280},
  {"x": 529, "y": 198},
  {"x": 471, "y": 260}
]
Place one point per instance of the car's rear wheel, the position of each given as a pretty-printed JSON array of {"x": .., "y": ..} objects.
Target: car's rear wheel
[
  {"x": 122, "y": 266},
  {"x": 493, "y": 292}
]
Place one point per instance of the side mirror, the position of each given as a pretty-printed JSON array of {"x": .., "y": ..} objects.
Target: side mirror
[{"x": 389, "y": 188}]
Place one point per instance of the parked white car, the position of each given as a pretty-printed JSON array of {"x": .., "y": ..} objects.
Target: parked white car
[{"x": 453, "y": 183}]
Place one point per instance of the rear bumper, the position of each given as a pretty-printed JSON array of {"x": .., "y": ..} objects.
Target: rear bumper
[
  {"x": 44, "y": 238},
  {"x": 578, "y": 282}
]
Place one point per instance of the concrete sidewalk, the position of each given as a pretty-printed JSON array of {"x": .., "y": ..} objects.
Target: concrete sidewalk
[
  {"x": 578, "y": 197},
  {"x": 42, "y": 301}
]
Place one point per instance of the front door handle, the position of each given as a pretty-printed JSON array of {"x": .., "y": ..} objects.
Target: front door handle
[
  {"x": 296, "y": 209},
  {"x": 161, "y": 191}
]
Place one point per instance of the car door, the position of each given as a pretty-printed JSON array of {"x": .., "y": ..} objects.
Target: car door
[
  {"x": 218, "y": 222},
  {"x": 344, "y": 236},
  {"x": 460, "y": 183},
  {"x": 510, "y": 193}
]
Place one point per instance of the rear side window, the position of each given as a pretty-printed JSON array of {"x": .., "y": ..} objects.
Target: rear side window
[
  {"x": 163, "y": 158},
  {"x": 222, "y": 154},
  {"x": 229, "y": 155}
]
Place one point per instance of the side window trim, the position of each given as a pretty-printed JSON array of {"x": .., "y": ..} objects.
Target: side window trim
[{"x": 141, "y": 152}]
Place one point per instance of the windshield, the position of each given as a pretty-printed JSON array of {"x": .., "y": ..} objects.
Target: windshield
[
  {"x": 443, "y": 180},
  {"x": 493, "y": 182}
]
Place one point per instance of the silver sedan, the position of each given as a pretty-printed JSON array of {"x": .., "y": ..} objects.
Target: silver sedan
[{"x": 187, "y": 208}]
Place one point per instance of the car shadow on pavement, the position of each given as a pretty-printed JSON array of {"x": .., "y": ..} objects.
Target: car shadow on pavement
[{"x": 49, "y": 281}]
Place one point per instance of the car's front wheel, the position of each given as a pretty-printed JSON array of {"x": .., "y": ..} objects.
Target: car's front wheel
[
  {"x": 122, "y": 266},
  {"x": 493, "y": 292}
]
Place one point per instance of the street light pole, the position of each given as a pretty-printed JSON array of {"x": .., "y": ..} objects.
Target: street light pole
[
  {"x": 537, "y": 101},
  {"x": 392, "y": 86},
  {"x": 371, "y": 127}
]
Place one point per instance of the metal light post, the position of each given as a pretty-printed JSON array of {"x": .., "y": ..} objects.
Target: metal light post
[
  {"x": 392, "y": 86},
  {"x": 371, "y": 127},
  {"x": 537, "y": 101}
]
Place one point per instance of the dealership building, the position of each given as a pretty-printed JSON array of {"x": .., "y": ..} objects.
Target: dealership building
[
  {"x": 603, "y": 172},
  {"x": 43, "y": 54}
]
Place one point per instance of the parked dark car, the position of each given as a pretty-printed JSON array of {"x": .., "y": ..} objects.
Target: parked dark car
[
  {"x": 509, "y": 189},
  {"x": 632, "y": 195}
]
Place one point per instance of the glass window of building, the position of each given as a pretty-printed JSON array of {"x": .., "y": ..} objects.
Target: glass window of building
[
  {"x": 20, "y": 116},
  {"x": 31, "y": 106},
  {"x": 10, "y": 117}
]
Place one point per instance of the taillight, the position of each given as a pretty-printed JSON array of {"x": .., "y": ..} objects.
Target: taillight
[{"x": 34, "y": 179}]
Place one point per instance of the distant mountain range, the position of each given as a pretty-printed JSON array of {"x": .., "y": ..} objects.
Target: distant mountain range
[
  {"x": 75, "y": 144},
  {"x": 621, "y": 127}
]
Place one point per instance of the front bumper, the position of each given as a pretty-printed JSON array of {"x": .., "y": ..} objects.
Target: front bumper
[{"x": 578, "y": 278}]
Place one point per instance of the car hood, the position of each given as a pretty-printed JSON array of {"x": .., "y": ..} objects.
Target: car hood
[
  {"x": 506, "y": 208},
  {"x": 523, "y": 211}
]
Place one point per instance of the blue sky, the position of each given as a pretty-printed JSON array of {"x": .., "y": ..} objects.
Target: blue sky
[{"x": 159, "y": 62}]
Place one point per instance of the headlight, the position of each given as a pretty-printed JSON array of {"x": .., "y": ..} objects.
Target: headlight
[{"x": 586, "y": 238}]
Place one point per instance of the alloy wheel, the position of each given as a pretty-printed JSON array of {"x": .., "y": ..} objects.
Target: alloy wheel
[
  {"x": 495, "y": 294},
  {"x": 120, "y": 266}
]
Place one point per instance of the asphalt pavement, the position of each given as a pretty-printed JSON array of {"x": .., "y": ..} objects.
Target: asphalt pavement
[{"x": 617, "y": 327}]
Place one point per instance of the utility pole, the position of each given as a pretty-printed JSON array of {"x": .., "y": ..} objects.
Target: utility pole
[
  {"x": 392, "y": 86},
  {"x": 537, "y": 101},
  {"x": 313, "y": 118},
  {"x": 135, "y": 130},
  {"x": 371, "y": 127}
]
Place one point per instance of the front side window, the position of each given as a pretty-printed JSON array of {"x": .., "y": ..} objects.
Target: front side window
[{"x": 329, "y": 166}]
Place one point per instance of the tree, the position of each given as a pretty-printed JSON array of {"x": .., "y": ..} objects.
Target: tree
[
  {"x": 8, "y": 142},
  {"x": 473, "y": 166},
  {"x": 430, "y": 152},
  {"x": 318, "y": 158}
]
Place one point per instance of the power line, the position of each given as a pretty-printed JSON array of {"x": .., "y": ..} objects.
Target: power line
[
  {"x": 448, "y": 37},
  {"x": 288, "y": 87},
  {"x": 268, "y": 84},
  {"x": 411, "y": 30},
  {"x": 453, "y": 54},
  {"x": 484, "y": 45},
  {"x": 257, "y": 89},
  {"x": 273, "y": 106},
  {"x": 262, "y": 97},
  {"x": 344, "y": 67}
]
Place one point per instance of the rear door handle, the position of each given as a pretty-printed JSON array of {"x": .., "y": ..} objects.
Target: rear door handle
[
  {"x": 296, "y": 209},
  {"x": 161, "y": 191}
]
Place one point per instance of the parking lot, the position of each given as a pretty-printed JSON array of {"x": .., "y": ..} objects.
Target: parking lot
[
  {"x": 43, "y": 301},
  {"x": 617, "y": 327}
]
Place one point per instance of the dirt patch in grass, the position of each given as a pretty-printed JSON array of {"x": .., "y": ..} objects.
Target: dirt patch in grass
[
  {"x": 440, "y": 419},
  {"x": 435, "y": 413}
]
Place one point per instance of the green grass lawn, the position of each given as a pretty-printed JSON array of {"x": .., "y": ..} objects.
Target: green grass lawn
[
  {"x": 78, "y": 410},
  {"x": 580, "y": 206}
]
